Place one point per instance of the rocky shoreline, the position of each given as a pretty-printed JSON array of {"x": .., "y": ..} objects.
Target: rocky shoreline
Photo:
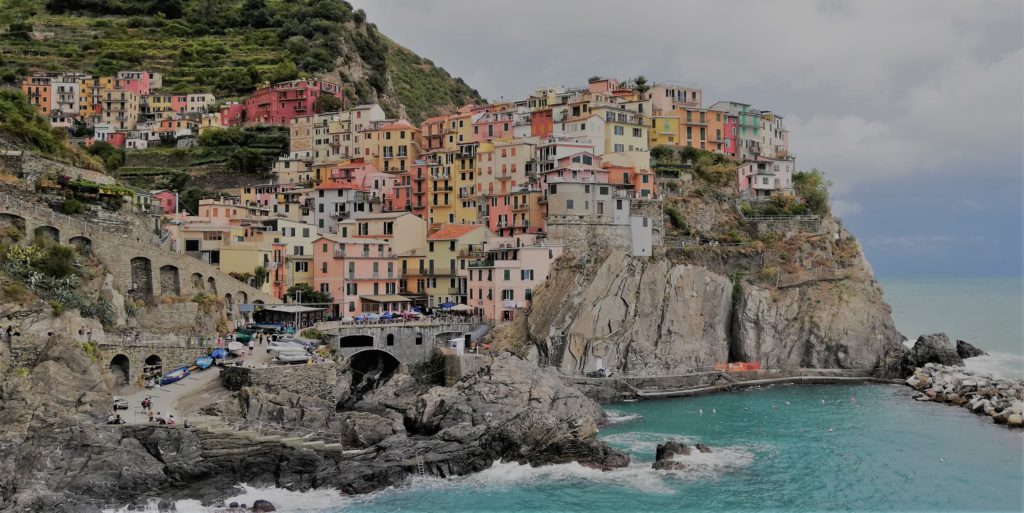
[{"x": 1000, "y": 399}]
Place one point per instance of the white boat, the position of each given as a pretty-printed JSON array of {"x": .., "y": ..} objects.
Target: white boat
[
  {"x": 293, "y": 357},
  {"x": 236, "y": 348}
]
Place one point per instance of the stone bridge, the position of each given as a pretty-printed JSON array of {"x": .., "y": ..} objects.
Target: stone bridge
[
  {"x": 146, "y": 271},
  {"x": 127, "y": 361},
  {"x": 409, "y": 343}
]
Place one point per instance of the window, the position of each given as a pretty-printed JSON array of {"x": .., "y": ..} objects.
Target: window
[
  {"x": 568, "y": 204},
  {"x": 324, "y": 288},
  {"x": 507, "y": 294},
  {"x": 390, "y": 339},
  {"x": 508, "y": 274},
  {"x": 323, "y": 267},
  {"x": 638, "y": 132},
  {"x": 619, "y": 148},
  {"x": 619, "y": 130},
  {"x": 603, "y": 191},
  {"x": 526, "y": 274},
  {"x": 305, "y": 232},
  {"x": 301, "y": 267}
]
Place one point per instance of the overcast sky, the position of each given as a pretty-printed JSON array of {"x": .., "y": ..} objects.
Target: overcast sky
[{"x": 912, "y": 108}]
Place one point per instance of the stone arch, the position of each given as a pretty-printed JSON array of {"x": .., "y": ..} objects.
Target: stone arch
[
  {"x": 169, "y": 284},
  {"x": 356, "y": 341},
  {"x": 371, "y": 369},
  {"x": 229, "y": 305},
  {"x": 390, "y": 339},
  {"x": 242, "y": 297},
  {"x": 82, "y": 243},
  {"x": 197, "y": 282},
  {"x": 258, "y": 302},
  {"x": 142, "y": 278},
  {"x": 47, "y": 233},
  {"x": 419, "y": 338},
  {"x": 211, "y": 284},
  {"x": 120, "y": 367},
  {"x": 12, "y": 227},
  {"x": 152, "y": 366}
]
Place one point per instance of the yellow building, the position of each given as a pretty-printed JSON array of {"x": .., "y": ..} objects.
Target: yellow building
[
  {"x": 625, "y": 130},
  {"x": 391, "y": 146},
  {"x": 245, "y": 257},
  {"x": 464, "y": 182},
  {"x": 120, "y": 108},
  {"x": 693, "y": 127},
  {"x": 450, "y": 249},
  {"x": 664, "y": 130}
]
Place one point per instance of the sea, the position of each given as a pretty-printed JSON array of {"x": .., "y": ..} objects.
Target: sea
[{"x": 782, "y": 448}]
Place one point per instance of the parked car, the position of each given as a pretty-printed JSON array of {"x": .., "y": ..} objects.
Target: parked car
[
  {"x": 599, "y": 373},
  {"x": 120, "y": 403}
]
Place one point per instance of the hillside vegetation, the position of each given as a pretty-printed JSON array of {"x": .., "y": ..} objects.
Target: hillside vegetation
[
  {"x": 228, "y": 47},
  {"x": 21, "y": 126}
]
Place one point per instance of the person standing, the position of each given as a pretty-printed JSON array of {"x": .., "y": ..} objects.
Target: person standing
[{"x": 252, "y": 345}]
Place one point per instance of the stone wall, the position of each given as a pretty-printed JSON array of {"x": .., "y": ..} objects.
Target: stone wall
[
  {"x": 118, "y": 250},
  {"x": 786, "y": 227},
  {"x": 398, "y": 339},
  {"x": 319, "y": 380},
  {"x": 171, "y": 356}
]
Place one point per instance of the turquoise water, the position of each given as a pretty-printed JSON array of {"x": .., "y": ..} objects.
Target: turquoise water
[
  {"x": 987, "y": 312},
  {"x": 882, "y": 454}
]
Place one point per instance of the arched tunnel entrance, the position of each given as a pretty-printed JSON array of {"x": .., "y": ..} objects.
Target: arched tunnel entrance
[
  {"x": 119, "y": 367},
  {"x": 370, "y": 369}
]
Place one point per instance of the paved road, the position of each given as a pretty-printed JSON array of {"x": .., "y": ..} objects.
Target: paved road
[{"x": 166, "y": 397}]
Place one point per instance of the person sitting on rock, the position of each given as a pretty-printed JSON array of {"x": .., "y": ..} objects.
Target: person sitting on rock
[
  {"x": 160, "y": 419},
  {"x": 170, "y": 420}
]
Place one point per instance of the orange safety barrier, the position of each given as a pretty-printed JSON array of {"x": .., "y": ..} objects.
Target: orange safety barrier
[{"x": 738, "y": 366}]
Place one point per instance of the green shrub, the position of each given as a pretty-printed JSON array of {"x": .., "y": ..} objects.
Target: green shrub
[
  {"x": 813, "y": 189},
  {"x": 72, "y": 206},
  {"x": 676, "y": 218}
]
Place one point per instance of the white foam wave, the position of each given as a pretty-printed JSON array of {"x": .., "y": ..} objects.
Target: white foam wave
[
  {"x": 712, "y": 465},
  {"x": 1000, "y": 365},
  {"x": 617, "y": 417},
  {"x": 509, "y": 474},
  {"x": 642, "y": 443},
  {"x": 311, "y": 501}
]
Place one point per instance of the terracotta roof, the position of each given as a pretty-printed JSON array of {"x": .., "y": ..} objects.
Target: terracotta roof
[
  {"x": 401, "y": 123},
  {"x": 452, "y": 231}
]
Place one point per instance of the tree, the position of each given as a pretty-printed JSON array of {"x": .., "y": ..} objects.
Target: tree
[
  {"x": 284, "y": 71},
  {"x": 640, "y": 85},
  {"x": 261, "y": 275},
  {"x": 813, "y": 188},
  {"x": 214, "y": 136},
  {"x": 662, "y": 153},
  {"x": 248, "y": 161},
  {"x": 327, "y": 103},
  {"x": 304, "y": 293}
]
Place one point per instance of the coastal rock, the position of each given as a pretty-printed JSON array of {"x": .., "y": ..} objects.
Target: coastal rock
[
  {"x": 668, "y": 465},
  {"x": 935, "y": 348},
  {"x": 263, "y": 506},
  {"x": 966, "y": 350},
  {"x": 703, "y": 448},
  {"x": 980, "y": 393},
  {"x": 1015, "y": 420},
  {"x": 668, "y": 450}
]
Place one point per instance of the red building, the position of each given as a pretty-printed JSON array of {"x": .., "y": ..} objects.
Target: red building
[
  {"x": 167, "y": 199},
  {"x": 542, "y": 123},
  {"x": 280, "y": 103}
]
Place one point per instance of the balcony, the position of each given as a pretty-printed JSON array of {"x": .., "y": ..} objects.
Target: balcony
[
  {"x": 521, "y": 207},
  {"x": 503, "y": 177}
]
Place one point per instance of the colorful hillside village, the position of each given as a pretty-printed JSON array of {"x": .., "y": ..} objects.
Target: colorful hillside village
[{"x": 470, "y": 208}]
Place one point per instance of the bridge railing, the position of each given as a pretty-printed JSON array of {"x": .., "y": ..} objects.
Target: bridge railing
[{"x": 426, "y": 322}]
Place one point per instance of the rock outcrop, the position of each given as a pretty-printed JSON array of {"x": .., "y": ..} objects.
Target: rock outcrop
[
  {"x": 57, "y": 455},
  {"x": 967, "y": 350},
  {"x": 1001, "y": 399},
  {"x": 687, "y": 311},
  {"x": 666, "y": 453}
]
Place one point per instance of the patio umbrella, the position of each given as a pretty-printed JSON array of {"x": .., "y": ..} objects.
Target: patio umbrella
[
  {"x": 447, "y": 306},
  {"x": 462, "y": 308}
]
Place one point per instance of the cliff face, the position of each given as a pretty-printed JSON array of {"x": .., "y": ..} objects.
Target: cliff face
[{"x": 805, "y": 300}]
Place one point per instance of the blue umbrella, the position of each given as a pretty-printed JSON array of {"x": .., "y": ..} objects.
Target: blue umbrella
[
  {"x": 447, "y": 305},
  {"x": 385, "y": 315},
  {"x": 418, "y": 309}
]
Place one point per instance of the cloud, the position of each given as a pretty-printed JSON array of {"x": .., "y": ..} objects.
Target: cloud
[
  {"x": 842, "y": 208},
  {"x": 870, "y": 89},
  {"x": 972, "y": 204}
]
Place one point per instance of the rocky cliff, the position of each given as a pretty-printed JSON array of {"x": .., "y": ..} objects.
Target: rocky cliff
[{"x": 786, "y": 296}]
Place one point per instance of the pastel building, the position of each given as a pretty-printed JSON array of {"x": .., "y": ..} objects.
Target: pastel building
[
  {"x": 450, "y": 249},
  {"x": 765, "y": 178},
  {"x": 279, "y": 103},
  {"x": 360, "y": 273},
  {"x": 500, "y": 287},
  {"x": 336, "y": 202}
]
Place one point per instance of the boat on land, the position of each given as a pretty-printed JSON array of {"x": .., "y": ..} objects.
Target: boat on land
[
  {"x": 174, "y": 376},
  {"x": 204, "y": 362},
  {"x": 219, "y": 353}
]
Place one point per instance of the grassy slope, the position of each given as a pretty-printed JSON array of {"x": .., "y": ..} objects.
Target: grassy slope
[{"x": 104, "y": 44}]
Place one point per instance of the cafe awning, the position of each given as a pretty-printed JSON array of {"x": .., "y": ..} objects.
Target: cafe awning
[{"x": 292, "y": 309}]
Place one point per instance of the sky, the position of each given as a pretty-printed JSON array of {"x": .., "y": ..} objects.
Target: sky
[{"x": 913, "y": 109}]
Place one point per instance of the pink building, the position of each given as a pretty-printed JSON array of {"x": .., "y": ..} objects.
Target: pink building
[
  {"x": 278, "y": 104},
  {"x": 493, "y": 125},
  {"x": 167, "y": 200},
  {"x": 360, "y": 273},
  {"x": 138, "y": 82},
  {"x": 501, "y": 286},
  {"x": 232, "y": 113},
  {"x": 578, "y": 167},
  {"x": 765, "y": 177},
  {"x": 729, "y": 135}
]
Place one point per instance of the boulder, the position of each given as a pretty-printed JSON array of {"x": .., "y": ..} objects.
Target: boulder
[
  {"x": 1015, "y": 420},
  {"x": 262, "y": 506},
  {"x": 935, "y": 348},
  {"x": 703, "y": 448},
  {"x": 668, "y": 450},
  {"x": 966, "y": 350}
]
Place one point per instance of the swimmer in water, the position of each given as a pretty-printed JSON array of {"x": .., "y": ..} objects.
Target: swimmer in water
[
  {"x": 829, "y": 430},
  {"x": 822, "y": 401},
  {"x": 701, "y": 411},
  {"x": 787, "y": 402},
  {"x": 714, "y": 411}
]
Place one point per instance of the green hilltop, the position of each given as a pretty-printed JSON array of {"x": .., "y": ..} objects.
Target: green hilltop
[{"x": 228, "y": 47}]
